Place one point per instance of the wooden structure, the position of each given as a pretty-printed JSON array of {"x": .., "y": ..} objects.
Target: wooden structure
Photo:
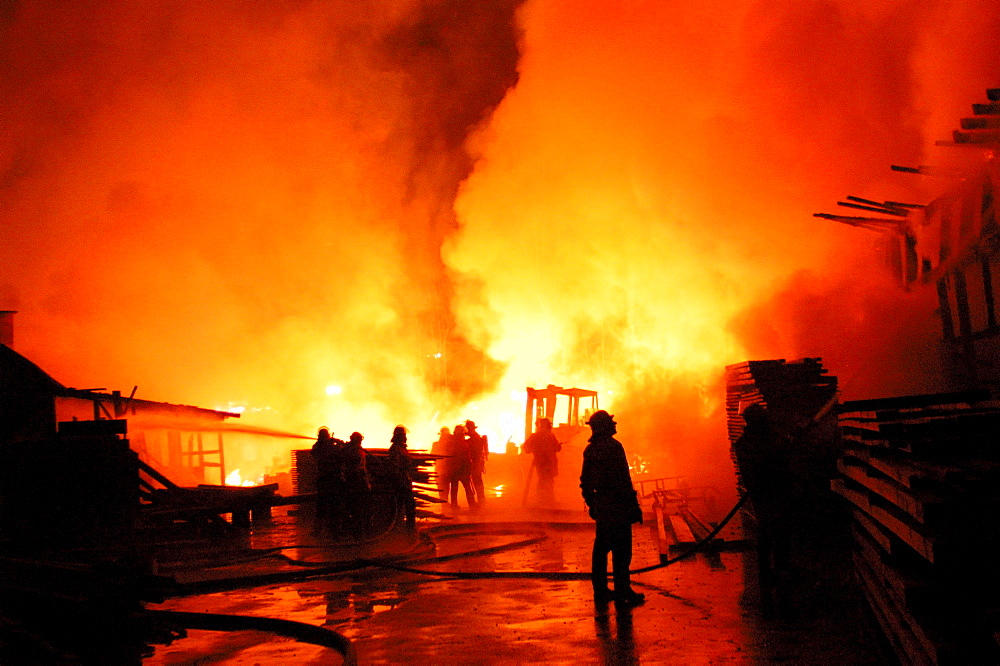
[
  {"x": 182, "y": 441},
  {"x": 922, "y": 476},
  {"x": 920, "y": 472},
  {"x": 799, "y": 397},
  {"x": 952, "y": 244},
  {"x": 675, "y": 506},
  {"x": 36, "y": 410}
]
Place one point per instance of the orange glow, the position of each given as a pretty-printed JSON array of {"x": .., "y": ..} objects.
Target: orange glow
[
  {"x": 348, "y": 215},
  {"x": 234, "y": 479}
]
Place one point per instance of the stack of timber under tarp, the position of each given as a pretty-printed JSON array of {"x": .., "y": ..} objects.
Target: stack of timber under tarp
[{"x": 922, "y": 474}]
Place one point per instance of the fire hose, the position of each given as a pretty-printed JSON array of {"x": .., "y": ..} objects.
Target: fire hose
[
  {"x": 300, "y": 631},
  {"x": 557, "y": 575},
  {"x": 322, "y": 636},
  {"x": 403, "y": 564}
]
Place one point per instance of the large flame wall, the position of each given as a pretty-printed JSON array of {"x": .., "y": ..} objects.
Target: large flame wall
[{"x": 363, "y": 213}]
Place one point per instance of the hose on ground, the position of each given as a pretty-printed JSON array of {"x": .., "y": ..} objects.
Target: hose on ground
[
  {"x": 300, "y": 631},
  {"x": 317, "y": 570},
  {"x": 558, "y": 575}
]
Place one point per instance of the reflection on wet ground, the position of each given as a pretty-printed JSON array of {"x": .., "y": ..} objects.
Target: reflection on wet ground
[{"x": 703, "y": 610}]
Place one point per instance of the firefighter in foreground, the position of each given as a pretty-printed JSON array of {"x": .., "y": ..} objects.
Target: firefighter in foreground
[{"x": 614, "y": 505}]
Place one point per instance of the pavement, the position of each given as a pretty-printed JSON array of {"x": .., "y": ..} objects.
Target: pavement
[{"x": 706, "y": 609}]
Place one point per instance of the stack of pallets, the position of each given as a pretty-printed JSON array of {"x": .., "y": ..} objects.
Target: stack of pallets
[
  {"x": 784, "y": 387},
  {"x": 796, "y": 394},
  {"x": 922, "y": 475}
]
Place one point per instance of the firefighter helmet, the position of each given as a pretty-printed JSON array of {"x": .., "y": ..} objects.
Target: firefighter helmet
[{"x": 600, "y": 418}]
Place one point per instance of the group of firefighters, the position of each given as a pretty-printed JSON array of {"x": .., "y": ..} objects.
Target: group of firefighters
[
  {"x": 344, "y": 487},
  {"x": 463, "y": 452}
]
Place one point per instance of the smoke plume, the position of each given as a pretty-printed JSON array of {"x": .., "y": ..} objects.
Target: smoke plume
[
  {"x": 364, "y": 213},
  {"x": 242, "y": 204},
  {"x": 655, "y": 171}
]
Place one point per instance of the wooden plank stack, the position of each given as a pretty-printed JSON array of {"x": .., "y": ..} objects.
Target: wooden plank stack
[
  {"x": 922, "y": 476},
  {"x": 807, "y": 554},
  {"x": 795, "y": 394}
]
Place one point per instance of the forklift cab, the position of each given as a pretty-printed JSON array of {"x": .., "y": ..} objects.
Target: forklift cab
[{"x": 567, "y": 408}]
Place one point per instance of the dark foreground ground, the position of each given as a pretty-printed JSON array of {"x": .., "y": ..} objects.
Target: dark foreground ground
[{"x": 703, "y": 610}]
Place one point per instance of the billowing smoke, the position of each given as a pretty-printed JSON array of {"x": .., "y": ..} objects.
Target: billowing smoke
[
  {"x": 363, "y": 213},
  {"x": 243, "y": 204},
  {"x": 654, "y": 174}
]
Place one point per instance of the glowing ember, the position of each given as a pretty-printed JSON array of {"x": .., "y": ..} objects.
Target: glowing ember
[{"x": 234, "y": 479}]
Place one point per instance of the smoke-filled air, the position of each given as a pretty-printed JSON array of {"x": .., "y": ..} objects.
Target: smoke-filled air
[{"x": 361, "y": 213}]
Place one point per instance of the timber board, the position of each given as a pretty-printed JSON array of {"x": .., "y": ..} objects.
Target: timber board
[
  {"x": 861, "y": 499},
  {"x": 933, "y": 641},
  {"x": 858, "y": 499},
  {"x": 895, "y": 626},
  {"x": 915, "y": 592},
  {"x": 890, "y": 490},
  {"x": 917, "y": 401},
  {"x": 871, "y": 528},
  {"x": 908, "y": 533}
]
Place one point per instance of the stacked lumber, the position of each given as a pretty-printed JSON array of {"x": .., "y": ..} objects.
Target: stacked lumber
[
  {"x": 304, "y": 475},
  {"x": 922, "y": 476},
  {"x": 799, "y": 527},
  {"x": 795, "y": 393},
  {"x": 983, "y": 128},
  {"x": 799, "y": 387}
]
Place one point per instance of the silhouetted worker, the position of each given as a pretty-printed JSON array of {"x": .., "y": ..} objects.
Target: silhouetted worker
[
  {"x": 460, "y": 467},
  {"x": 478, "y": 452},
  {"x": 762, "y": 460},
  {"x": 357, "y": 484},
  {"x": 614, "y": 505},
  {"x": 441, "y": 470},
  {"x": 544, "y": 447},
  {"x": 401, "y": 468},
  {"x": 325, "y": 453}
]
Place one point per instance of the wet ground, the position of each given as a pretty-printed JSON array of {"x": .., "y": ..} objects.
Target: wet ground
[{"x": 703, "y": 610}]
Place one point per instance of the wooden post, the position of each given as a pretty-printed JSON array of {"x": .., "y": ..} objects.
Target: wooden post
[
  {"x": 991, "y": 314},
  {"x": 944, "y": 305},
  {"x": 962, "y": 301}
]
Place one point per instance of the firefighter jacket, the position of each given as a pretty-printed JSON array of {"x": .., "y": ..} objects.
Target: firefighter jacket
[
  {"x": 607, "y": 484},
  {"x": 544, "y": 446}
]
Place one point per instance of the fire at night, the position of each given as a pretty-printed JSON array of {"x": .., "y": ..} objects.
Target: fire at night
[{"x": 499, "y": 332}]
